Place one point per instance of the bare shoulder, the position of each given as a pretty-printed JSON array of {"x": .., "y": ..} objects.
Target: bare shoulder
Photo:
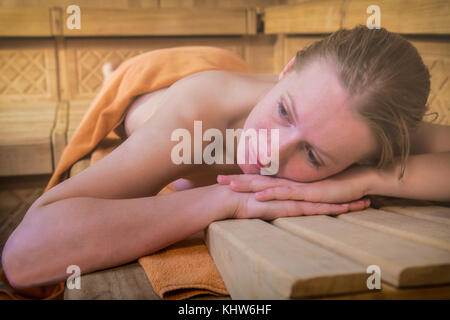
[
  {"x": 223, "y": 91},
  {"x": 430, "y": 137}
]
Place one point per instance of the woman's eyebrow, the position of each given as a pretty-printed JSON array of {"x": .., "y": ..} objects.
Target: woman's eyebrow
[{"x": 294, "y": 107}]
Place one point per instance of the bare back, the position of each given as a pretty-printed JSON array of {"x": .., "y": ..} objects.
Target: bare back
[{"x": 141, "y": 165}]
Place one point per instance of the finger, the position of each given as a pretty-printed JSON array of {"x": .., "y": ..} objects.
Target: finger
[
  {"x": 359, "y": 205},
  {"x": 278, "y": 209},
  {"x": 221, "y": 179},
  {"x": 227, "y": 179},
  {"x": 281, "y": 193},
  {"x": 313, "y": 208},
  {"x": 251, "y": 183}
]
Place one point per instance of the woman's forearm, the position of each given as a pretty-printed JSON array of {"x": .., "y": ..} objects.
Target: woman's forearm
[
  {"x": 100, "y": 233},
  {"x": 427, "y": 177}
]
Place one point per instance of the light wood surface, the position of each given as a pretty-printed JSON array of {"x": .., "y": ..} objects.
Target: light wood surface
[
  {"x": 388, "y": 292},
  {"x": 414, "y": 229},
  {"x": 308, "y": 17},
  {"x": 324, "y": 16},
  {"x": 24, "y": 22},
  {"x": 127, "y": 282},
  {"x": 259, "y": 261},
  {"x": 59, "y": 131},
  {"x": 164, "y": 21},
  {"x": 432, "y": 213},
  {"x": 25, "y": 138},
  {"x": 402, "y": 16},
  {"x": 403, "y": 263}
]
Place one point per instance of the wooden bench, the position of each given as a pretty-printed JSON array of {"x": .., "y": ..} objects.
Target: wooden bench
[
  {"x": 316, "y": 256},
  {"x": 311, "y": 257}
]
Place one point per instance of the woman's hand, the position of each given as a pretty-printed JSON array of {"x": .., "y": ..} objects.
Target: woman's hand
[
  {"x": 345, "y": 188},
  {"x": 248, "y": 207}
]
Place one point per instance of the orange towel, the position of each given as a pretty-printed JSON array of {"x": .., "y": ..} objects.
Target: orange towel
[{"x": 184, "y": 269}]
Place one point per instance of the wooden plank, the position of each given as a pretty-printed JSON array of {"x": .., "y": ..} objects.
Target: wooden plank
[
  {"x": 414, "y": 229},
  {"x": 402, "y": 16},
  {"x": 163, "y": 22},
  {"x": 119, "y": 4},
  {"x": 403, "y": 263},
  {"x": 259, "y": 261},
  {"x": 388, "y": 292},
  {"x": 216, "y": 3},
  {"x": 24, "y": 22},
  {"x": 308, "y": 17},
  {"x": 432, "y": 213},
  {"x": 59, "y": 131},
  {"x": 127, "y": 282},
  {"x": 76, "y": 114},
  {"x": 25, "y": 138}
]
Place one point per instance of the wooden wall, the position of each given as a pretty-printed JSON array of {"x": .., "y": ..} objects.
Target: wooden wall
[{"x": 49, "y": 74}]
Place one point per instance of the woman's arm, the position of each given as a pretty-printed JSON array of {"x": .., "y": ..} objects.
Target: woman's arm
[
  {"x": 82, "y": 219},
  {"x": 426, "y": 177},
  {"x": 430, "y": 138},
  {"x": 427, "y": 171},
  {"x": 95, "y": 233}
]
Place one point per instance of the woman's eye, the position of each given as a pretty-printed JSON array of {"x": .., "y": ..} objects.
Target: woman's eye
[
  {"x": 312, "y": 158},
  {"x": 282, "y": 110}
]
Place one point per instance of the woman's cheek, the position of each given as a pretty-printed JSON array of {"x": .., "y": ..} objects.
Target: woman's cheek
[{"x": 300, "y": 171}]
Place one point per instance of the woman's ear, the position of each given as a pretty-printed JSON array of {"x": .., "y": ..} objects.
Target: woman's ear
[{"x": 286, "y": 68}]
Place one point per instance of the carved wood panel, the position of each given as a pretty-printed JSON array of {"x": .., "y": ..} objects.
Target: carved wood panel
[{"x": 27, "y": 71}]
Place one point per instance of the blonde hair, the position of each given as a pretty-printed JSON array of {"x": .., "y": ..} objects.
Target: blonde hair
[{"x": 388, "y": 80}]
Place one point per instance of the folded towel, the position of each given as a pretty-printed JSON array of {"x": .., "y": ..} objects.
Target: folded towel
[{"x": 184, "y": 269}]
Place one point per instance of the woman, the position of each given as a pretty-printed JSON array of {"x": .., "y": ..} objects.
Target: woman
[{"x": 348, "y": 110}]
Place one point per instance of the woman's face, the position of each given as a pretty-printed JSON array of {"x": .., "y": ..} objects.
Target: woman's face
[{"x": 319, "y": 135}]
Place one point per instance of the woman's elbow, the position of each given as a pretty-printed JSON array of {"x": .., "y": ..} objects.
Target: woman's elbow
[
  {"x": 20, "y": 261},
  {"x": 13, "y": 264}
]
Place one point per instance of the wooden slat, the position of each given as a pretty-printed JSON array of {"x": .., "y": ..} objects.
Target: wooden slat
[
  {"x": 414, "y": 229},
  {"x": 76, "y": 114},
  {"x": 59, "y": 131},
  {"x": 163, "y": 22},
  {"x": 388, "y": 292},
  {"x": 402, "y": 16},
  {"x": 403, "y": 263},
  {"x": 325, "y": 16},
  {"x": 24, "y": 22},
  {"x": 127, "y": 282},
  {"x": 308, "y": 17},
  {"x": 259, "y": 261},
  {"x": 25, "y": 138},
  {"x": 432, "y": 213}
]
